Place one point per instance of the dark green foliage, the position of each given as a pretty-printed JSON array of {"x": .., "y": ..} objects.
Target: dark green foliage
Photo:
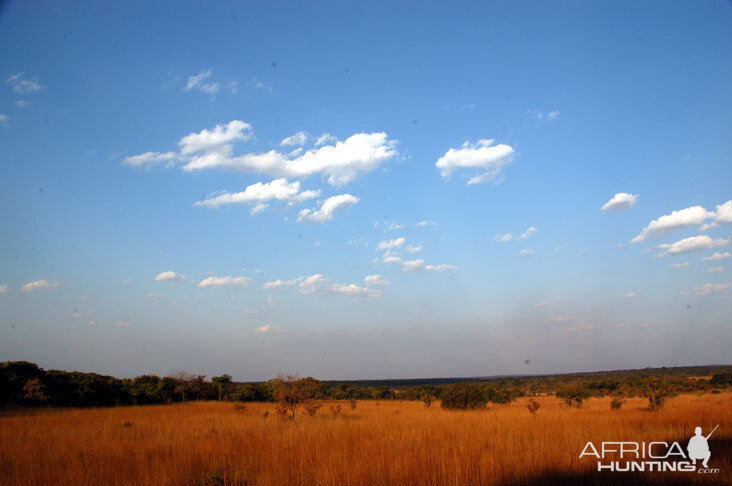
[
  {"x": 658, "y": 389},
  {"x": 573, "y": 394},
  {"x": 462, "y": 396}
]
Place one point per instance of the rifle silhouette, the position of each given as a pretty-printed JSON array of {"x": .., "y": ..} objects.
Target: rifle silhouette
[{"x": 710, "y": 433}]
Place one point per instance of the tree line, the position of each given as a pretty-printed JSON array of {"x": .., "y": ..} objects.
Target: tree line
[{"x": 24, "y": 383}]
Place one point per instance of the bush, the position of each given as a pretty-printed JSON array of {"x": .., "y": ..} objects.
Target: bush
[
  {"x": 616, "y": 403},
  {"x": 462, "y": 396},
  {"x": 657, "y": 390},
  {"x": 573, "y": 394},
  {"x": 533, "y": 406}
]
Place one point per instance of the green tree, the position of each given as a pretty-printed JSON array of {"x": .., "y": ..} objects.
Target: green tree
[
  {"x": 223, "y": 385},
  {"x": 461, "y": 396}
]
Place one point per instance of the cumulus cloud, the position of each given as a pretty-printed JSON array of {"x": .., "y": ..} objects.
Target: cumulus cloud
[
  {"x": 40, "y": 285},
  {"x": 150, "y": 158},
  {"x": 24, "y": 85},
  {"x": 169, "y": 276},
  {"x": 419, "y": 265},
  {"x": 269, "y": 328},
  {"x": 311, "y": 284},
  {"x": 710, "y": 288},
  {"x": 693, "y": 243},
  {"x": 483, "y": 158},
  {"x": 413, "y": 248},
  {"x": 258, "y": 194},
  {"x": 219, "y": 136},
  {"x": 353, "y": 290},
  {"x": 341, "y": 163},
  {"x": 717, "y": 256},
  {"x": 391, "y": 244},
  {"x": 225, "y": 282},
  {"x": 375, "y": 280},
  {"x": 278, "y": 284},
  {"x": 327, "y": 208},
  {"x": 693, "y": 216},
  {"x": 723, "y": 215},
  {"x": 299, "y": 138},
  {"x": 505, "y": 238},
  {"x": 620, "y": 201}
]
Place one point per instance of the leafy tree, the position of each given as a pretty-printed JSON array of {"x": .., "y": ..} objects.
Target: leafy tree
[
  {"x": 573, "y": 394},
  {"x": 462, "y": 396},
  {"x": 223, "y": 385},
  {"x": 657, "y": 389},
  {"x": 291, "y": 393}
]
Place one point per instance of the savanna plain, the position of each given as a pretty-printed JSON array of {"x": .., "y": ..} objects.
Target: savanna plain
[{"x": 375, "y": 443}]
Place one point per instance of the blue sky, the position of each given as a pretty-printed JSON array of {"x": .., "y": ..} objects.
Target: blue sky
[{"x": 362, "y": 191}]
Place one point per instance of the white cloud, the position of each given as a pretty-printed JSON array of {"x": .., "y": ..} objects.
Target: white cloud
[
  {"x": 23, "y": 85},
  {"x": 218, "y": 137},
  {"x": 419, "y": 265},
  {"x": 425, "y": 223},
  {"x": 327, "y": 208},
  {"x": 693, "y": 243},
  {"x": 543, "y": 303},
  {"x": 342, "y": 162},
  {"x": 23, "y": 103},
  {"x": 528, "y": 233},
  {"x": 278, "y": 284},
  {"x": 309, "y": 285},
  {"x": 562, "y": 319},
  {"x": 552, "y": 115},
  {"x": 503, "y": 238},
  {"x": 711, "y": 288},
  {"x": 539, "y": 116},
  {"x": 325, "y": 138},
  {"x": 693, "y": 216},
  {"x": 4, "y": 289},
  {"x": 122, "y": 323},
  {"x": 723, "y": 215},
  {"x": 413, "y": 248},
  {"x": 77, "y": 315},
  {"x": 629, "y": 295},
  {"x": 4, "y": 120},
  {"x": 169, "y": 276},
  {"x": 717, "y": 269},
  {"x": 391, "y": 244},
  {"x": 257, "y": 194},
  {"x": 680, "y": 265},
  {"x": 526, "y": 252},
  {"x": 197, "y": 79},
  {"x": 484, "y": 157},
  {"x": 375, "y": 280},
  {"x": 354, "y": 290},
  {"x": 620, "y": 201},
  {"x": 40, "y": 285},
  {"x": 717, "y": 256},
  {"x": 269, "y": 328},
  {"x": 225, "y": 282},
  {"x": 299, "y": 138},
  {"x": 149, "y": 159}
]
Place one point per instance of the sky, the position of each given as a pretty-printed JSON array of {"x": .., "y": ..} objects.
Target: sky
[{"x": 381, "y": 190}]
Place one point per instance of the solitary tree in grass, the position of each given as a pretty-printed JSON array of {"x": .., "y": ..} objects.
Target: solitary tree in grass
[
  {"x": 291, "y": 393},
  {"x": 462, "y": 396},
  {"x": 657, "y": 389},
  {"x": 573, "y": 394}
]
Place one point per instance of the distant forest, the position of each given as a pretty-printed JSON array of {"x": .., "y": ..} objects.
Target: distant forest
[{"x": 26, "y": 384}]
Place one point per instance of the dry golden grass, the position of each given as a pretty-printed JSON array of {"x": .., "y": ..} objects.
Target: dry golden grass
[{"x": 376, "y": 444}]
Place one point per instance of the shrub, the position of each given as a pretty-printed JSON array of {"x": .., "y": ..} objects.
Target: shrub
[
  {"x": 335, "y": 410},
  {"x": 533, "y": 406},
  {"x": 616, "y": 403},
  {"x": 353, "y": 403},
  {"x": 657, "y": 390},
  {"x": 427, "y": 399},
  {"x": 462, "y": 396},
  {"x": 573, "y": 394}
]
